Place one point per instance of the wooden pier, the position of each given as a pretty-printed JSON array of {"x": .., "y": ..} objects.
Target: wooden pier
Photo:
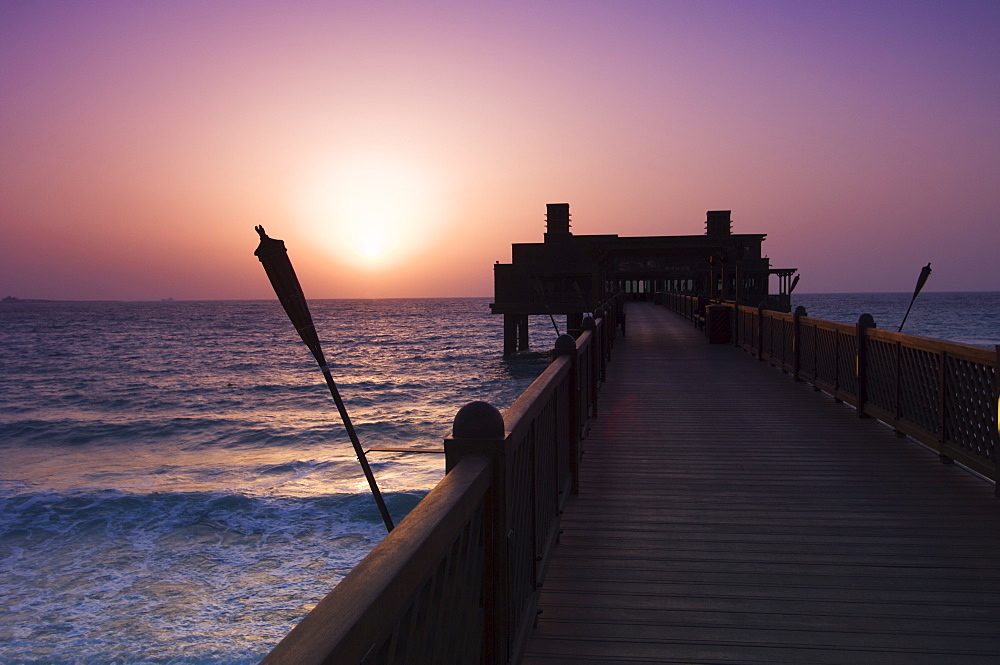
[
  {"x": 689, "y": 502},
  {"x": 728, "y": 514}
]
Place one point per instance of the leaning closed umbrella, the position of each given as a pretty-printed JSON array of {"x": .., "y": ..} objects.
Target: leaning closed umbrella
[{"x": 274, "y": 257}]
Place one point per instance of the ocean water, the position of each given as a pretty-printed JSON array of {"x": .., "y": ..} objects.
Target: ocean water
[
  {"x": 966, "y": 317},
  {"x": 175, "y": 483}
]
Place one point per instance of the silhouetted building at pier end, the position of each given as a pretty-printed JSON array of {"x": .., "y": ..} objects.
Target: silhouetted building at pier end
[{"x": 573, "y": 274}]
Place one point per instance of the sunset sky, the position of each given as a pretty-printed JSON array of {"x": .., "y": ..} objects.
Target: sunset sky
[{"x": 399, "y": 148}]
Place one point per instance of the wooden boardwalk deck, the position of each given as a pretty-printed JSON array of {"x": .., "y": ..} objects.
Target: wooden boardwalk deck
[{"x": 730, "y": 515}]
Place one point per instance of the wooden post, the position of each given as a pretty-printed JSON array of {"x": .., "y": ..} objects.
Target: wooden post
[
  {"x": 566, "y": 345},
  {"x": 898, "y": 386},
  {"x": 736, "y": 323},
  {"x": 865, "y": 322},
  {"x": 760, "y": 332},
  {"x": 594, "y": 360},
  {"x": 478, "y": 429},
  {"x": 522, "y": 333},
  {"x": 943, "y": 406},
  {"x": 602, "y": 341},
  {"x": 800, "y": 311},
  {"x": 996, "y": 395}
]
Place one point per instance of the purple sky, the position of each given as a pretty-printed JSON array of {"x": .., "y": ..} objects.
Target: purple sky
[{"x": 400, "y": 148}]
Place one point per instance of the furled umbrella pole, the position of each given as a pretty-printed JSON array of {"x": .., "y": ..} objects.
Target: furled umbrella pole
[{"x": 278, "y": 266}]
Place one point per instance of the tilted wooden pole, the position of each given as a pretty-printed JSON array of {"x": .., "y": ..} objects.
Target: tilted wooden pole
[{"x": 274, "y": 256}]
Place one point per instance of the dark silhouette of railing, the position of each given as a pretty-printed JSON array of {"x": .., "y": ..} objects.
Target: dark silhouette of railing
[
  {"x": 943, "y": 394},
  {"x": 458, "y": 579}
]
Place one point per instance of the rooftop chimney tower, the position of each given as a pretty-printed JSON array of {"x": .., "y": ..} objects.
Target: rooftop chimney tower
[
  {"x": 718, "y": 224},
  {"x": 556, "y": 221}
]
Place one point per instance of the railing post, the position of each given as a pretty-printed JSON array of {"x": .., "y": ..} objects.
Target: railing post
[
  {"x": 800, "y": 311},
  {"x": 592, "y": 359},
  {"x": 566, "y": 345},
  {"x": 865, "y": 322},
  {"x": 602, "y": 339},
  {"x": 760, "y": 332},
  {"x": 478, "y": 429},
  {"x": 996, "y": 396},
  {"x": 943, "y": 405},
  {"x": 736, "y": 323}
]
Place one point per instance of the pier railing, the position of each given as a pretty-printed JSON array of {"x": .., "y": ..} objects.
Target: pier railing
[
  {"x": 943, "y": 394},
  {"x": 457, "y": 580}
]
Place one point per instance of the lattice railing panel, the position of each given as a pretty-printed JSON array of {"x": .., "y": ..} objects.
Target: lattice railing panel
[
  {"x": 767, "y": 334},
  {"x": 826, "y": 356},
  {"x": 971, "y": 405},
  {"x": 782, "y": 333},
  {"x": 883, "y": 374},
  {"x": 919, "y": 389},
  {"x": 787, "y": 341},
  {"x": 807, "y": 351},
  {"x": 745, "y": 327},
  {"x": 847, "y": 363}
]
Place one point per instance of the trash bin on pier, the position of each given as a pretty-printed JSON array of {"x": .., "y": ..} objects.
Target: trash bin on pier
[{"x": 717, "y": 324}]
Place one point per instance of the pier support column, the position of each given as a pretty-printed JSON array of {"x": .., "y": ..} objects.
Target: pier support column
[
  {"x": 509, "y": 334},
  {"x": 522, "y": 333},
  {"x": 515, "y": 333}
]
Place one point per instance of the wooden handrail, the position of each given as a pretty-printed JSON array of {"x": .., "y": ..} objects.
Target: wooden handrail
[
  {"x": 457, "y": 580},
  {"x": 350, "y": 620}
]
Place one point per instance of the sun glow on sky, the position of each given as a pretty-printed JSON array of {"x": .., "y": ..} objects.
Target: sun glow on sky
[
  {"x": 372, "y": 210},
  {"x": 400, "y": 148}
]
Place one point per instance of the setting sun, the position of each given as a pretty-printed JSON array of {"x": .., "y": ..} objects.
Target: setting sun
[{"x": 372, "y": 209}]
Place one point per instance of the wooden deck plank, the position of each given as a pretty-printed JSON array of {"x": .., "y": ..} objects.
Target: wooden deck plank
[{"x": 731, "y": 515}]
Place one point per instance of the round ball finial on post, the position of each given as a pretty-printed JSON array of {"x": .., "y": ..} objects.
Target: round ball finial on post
[
  {"x": 589, "y": 323},
  {"x": 478, "y": 429},
  {"x": 800, "y": 311},
  {"x": 478, "y": 420},
  {"x": 565, "y": 344}
]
